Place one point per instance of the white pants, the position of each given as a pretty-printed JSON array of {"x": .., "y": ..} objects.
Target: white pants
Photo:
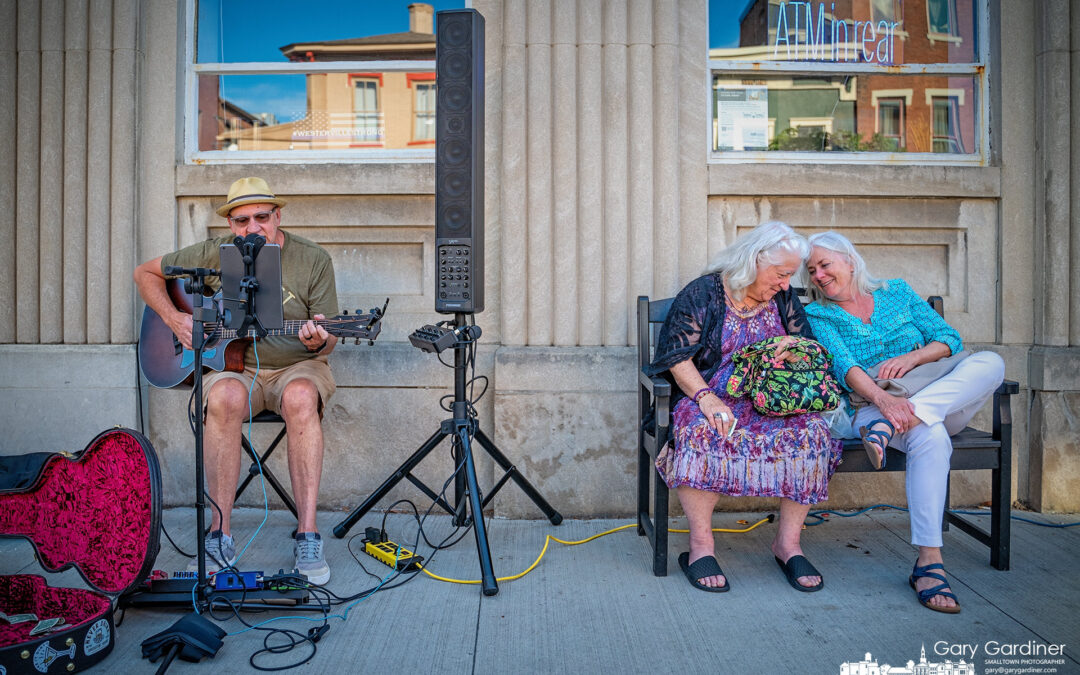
[{"x": 945, "y": 407}]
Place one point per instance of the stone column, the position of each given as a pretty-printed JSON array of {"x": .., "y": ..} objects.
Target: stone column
[
  {"x": 9, "y": 55},
  {"x": 99, "y": 114},
  {"x": 51, "y": 173},
  {"x": 538, "y": 259},
  {"x": 615, "y": 143},
  {"x": 27, "y": 156},
  {"x": 564, "y": 168},
  {"x": 590, "y": 173},
  {"x": 159, "y": 125},
  {"x": 512, "y": 147},
  {"x": 73, "y": 261},
  {"x": 1052, "y": 186},
  {"x": 1054, "y": 362}
]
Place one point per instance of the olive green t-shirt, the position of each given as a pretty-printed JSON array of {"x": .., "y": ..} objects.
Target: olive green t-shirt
[{"x": 307, "y": 289}]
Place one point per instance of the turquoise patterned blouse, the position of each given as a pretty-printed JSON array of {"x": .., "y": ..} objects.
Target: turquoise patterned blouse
[{"x": 901, "y": 322}]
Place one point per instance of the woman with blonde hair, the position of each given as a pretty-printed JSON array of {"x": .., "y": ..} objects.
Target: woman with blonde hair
[{"x": 881, "y": 330}]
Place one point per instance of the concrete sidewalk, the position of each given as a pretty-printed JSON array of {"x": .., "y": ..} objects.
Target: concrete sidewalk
[{"x": 597, "y": 607}]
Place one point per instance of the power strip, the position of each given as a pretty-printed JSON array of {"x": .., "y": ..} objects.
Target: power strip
[{"x": 392, "y": 555}]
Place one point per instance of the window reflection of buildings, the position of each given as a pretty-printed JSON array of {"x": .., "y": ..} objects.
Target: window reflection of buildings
[
  {"x": 932, "y": 113},
  {"x": 354, "y": 110},
  {"x": 221, "y": 120}
]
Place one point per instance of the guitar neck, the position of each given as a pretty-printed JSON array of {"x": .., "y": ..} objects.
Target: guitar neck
[
  {"x": 291, "y": 327},
  {"x": 356, "y": 325}
]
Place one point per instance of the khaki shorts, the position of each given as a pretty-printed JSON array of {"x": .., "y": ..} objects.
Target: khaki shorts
[{"x": 271, "y": 382}]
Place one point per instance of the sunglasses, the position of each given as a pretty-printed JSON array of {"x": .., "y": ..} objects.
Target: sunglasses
[{"x": 261, "y": 217}]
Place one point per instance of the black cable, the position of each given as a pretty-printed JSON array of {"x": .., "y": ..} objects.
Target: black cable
[
  {"x": 348, "y": 546},
  {"x": 313, "y": 636},
  {"x": 139, "y": 391},
  {"x": 293, "y": 644},
  {"x": 178, "y": 549}
]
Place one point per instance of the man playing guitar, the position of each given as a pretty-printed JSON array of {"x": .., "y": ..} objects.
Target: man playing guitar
[{"x": 293, "y": 377}]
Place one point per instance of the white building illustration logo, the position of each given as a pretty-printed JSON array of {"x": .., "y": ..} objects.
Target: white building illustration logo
[{"x": 869, "y": 666}]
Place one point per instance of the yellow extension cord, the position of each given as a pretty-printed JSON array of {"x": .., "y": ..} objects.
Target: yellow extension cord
[{"x": 550, "y": 538}]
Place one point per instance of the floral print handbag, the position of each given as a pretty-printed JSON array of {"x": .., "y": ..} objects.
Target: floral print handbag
[{"x": 777, "y": 387}]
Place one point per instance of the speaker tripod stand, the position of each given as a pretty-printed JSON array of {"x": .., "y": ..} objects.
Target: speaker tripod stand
[{"x": 462, "y": 428}]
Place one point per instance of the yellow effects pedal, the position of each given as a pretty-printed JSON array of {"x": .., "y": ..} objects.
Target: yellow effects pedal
[{"x": 389, "y": 554}]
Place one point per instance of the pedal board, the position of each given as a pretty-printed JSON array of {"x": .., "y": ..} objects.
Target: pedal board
[{"x": 236, "y": 586}]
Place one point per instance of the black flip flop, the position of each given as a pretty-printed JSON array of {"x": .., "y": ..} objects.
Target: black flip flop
[
  {"x": 701, "y": 568},
  {"x": 798, "y": 566}
]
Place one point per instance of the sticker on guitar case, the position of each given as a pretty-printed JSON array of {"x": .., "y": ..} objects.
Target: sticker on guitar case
[
  {"x": 97, "y": 638},
  {"x": 45, "y": 655}
]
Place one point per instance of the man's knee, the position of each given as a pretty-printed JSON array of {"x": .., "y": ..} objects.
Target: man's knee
[
  {"x": 227, "y": 400},
  {"x": 300, "y": 399}
]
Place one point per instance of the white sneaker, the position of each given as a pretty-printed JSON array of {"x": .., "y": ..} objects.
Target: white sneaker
[{"x": 310, "y": 561}]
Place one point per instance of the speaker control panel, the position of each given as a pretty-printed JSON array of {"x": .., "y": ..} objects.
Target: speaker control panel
[{"x": 455, "y": 282}]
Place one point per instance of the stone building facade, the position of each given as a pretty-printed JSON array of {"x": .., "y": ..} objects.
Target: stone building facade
[{"x": 600, "y": 187}]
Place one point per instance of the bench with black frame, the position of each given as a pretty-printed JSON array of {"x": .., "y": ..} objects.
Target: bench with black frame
[{"x": 972, "y": 449}]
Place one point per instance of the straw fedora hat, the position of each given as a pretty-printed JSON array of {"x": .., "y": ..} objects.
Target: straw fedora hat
[{"x": 248, "y": 191}]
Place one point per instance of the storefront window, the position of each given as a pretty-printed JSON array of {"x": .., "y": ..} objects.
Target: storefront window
[
  {"x": 330, "y": 81},
  {"x": 901, "y": 77}
]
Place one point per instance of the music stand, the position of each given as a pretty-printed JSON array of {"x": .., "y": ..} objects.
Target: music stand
[{"x": 251, "y": 285}]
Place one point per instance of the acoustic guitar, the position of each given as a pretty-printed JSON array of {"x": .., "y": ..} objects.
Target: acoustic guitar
[{"x": 165, "y": 363}]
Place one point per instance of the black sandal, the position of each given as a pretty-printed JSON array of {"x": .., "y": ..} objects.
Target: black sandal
[
  {"x": 701, "y": 568},
  {"x": 798, "y": 566}
]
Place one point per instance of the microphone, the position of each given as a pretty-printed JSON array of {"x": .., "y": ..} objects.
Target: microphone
[{"x": 249, "y": 246}]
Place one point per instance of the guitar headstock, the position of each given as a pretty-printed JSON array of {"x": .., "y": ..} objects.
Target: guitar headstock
[{"x": 357, "y": 326}]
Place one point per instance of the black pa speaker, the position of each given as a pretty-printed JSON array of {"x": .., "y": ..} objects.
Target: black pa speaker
[{"x": 459, "y": 162}]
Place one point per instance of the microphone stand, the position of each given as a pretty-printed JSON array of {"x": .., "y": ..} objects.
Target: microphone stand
[{"x": 201, "y": 314}]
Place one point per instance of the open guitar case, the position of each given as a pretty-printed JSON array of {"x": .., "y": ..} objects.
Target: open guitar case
[{"x": 98, "y": 511}]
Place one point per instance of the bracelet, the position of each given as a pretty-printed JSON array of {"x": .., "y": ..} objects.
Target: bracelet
[{"x": 701, "y": 393}]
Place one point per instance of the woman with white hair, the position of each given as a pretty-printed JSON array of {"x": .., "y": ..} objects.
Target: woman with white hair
[
  {"x": 879, "y": 331},
  {"x": 720, "y": 444}
]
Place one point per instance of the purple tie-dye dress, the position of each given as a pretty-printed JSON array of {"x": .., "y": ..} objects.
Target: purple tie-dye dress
[{"x": 791, "y": 457}]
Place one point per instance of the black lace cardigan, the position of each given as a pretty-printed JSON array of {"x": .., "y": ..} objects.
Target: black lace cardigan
[{"x": 694, "y": 329}]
